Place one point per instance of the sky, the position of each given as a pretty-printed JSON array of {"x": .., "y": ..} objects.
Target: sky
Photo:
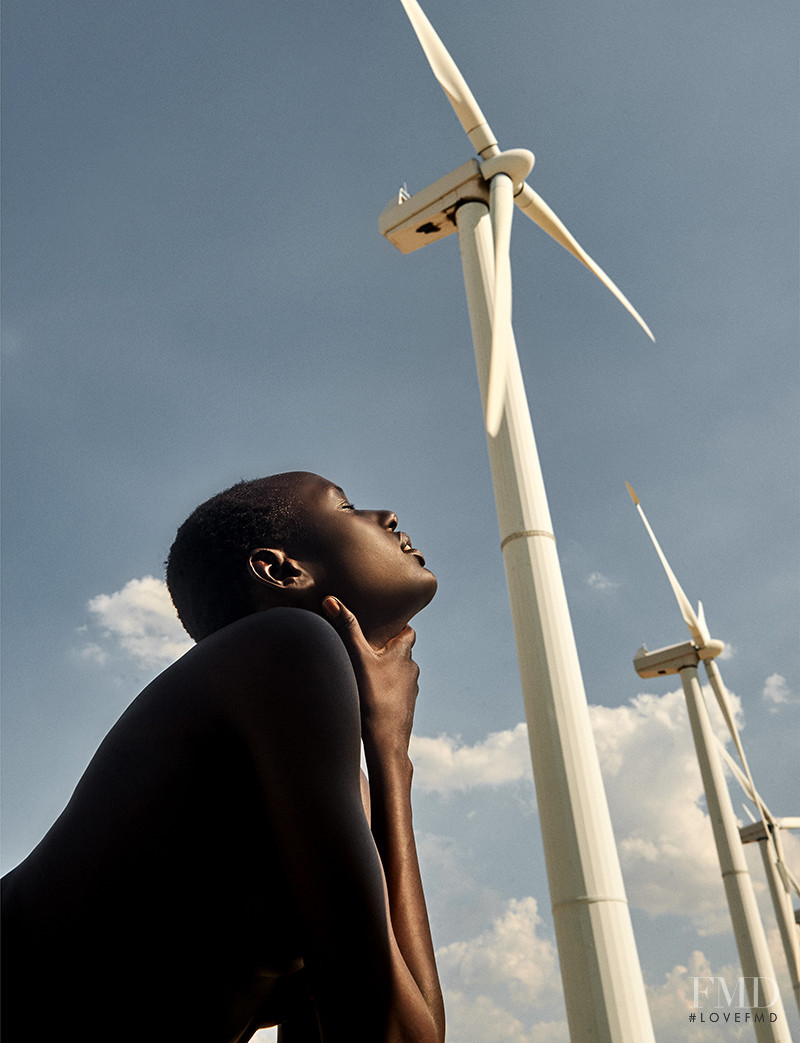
[{"x": 196, "y": 291}]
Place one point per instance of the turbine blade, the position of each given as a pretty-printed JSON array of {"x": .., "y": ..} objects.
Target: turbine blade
[
  {"x": 724, "y": 703},
  {"x": 455, "y": 86},
  {"x": 632, "y": 494},
  {"x": 501, "y": 203},
  {"x": 701, "y": 618},
  {"x": 738, "y": 774},
  {"x": 532, "y": 204},
  {"x": 698, "y": 630},
  {"x": 790, "y": 881}
]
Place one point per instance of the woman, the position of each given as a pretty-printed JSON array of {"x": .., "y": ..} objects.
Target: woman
[{"x": 223, "y": 864}]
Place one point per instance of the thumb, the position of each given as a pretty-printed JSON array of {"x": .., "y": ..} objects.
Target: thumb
[{"x": 344, "y": 622}]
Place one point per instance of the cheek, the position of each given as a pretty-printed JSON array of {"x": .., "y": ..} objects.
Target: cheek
[
  {"x": 368, "y": 563},
  {"x": 356, "y": 565},
  {"x": 372, "y": 575}
]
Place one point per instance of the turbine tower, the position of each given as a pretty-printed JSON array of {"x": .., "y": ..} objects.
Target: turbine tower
[
  {"x": 748, "y": 928},
  {"x": 602, "y": 980}
]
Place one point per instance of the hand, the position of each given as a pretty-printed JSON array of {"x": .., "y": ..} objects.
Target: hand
[
  {"x": 387, "y": 686},
  {"x": 387, "y": 679}
]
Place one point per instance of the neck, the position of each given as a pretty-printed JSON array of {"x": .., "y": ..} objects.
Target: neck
[{"x": 380, "y": 634}]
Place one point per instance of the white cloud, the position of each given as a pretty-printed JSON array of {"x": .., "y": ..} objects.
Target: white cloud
[
  {"x": 92, "y": 651},
  {"x": 655, "y": 793},
  {"x": 509, "y": 955},
  {"x": 600, "y": 582},
  {"x": 495, "y": 983},
  {"x": 672, "y": 1002},
  {"x": 477, "y": 1019},
  {"x": 443, "y": 765},
  {"x": 775, "y": 692},
  {"x": 457, "y": 902},
  {"x": 504, "y": 975},
  {"x": 779, "y": 962},
  {"x": 141, "y": 621}
]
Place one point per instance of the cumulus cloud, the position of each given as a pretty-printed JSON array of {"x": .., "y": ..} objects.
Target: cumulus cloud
[
  {"x": 655, "y": 793},
  {"x": 458, "y": 903},
  {"x": 91, "y": 650},
  {"x": 445, "y": 764},
  {"x": 477, "y": 1019},
  {"x": 775, "y": 692},
  {"x": 671, "y": 1002},
  {"x": 510, "y": 956},
  {"x": 138, "y": 620}
]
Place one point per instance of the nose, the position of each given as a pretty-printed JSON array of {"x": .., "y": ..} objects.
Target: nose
[{"x": 386, "y": 519}]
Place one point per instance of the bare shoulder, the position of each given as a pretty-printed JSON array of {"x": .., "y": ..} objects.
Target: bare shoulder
[
  {"x": 282, "y": 663},
  {"x": 279, "y": 645}
]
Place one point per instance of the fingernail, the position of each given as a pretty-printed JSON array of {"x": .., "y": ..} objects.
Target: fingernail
[{"x": 331, "y": 607}]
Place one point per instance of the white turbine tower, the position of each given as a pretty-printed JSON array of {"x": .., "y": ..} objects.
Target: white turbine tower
[
  {"x": 747, "y": 925},
  {"x": 603, "y": 987}
]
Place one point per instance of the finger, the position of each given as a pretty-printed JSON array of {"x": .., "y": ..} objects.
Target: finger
[
  {"x": 408, "y": 634},
  {"x": 344, "y": 621},
  {"x": 405, "y": 639}
]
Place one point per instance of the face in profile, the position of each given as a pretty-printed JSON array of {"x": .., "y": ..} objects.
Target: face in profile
[{"x": 360, "y": 556}]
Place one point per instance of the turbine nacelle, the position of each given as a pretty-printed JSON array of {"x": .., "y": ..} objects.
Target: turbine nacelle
[{"x": 674, "y": 658}]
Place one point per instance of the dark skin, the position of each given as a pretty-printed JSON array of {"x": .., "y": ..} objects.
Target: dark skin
[{"x": 223, "y": 864}]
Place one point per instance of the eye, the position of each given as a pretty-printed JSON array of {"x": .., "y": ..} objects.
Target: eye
[{"x": 346, "y": 506}]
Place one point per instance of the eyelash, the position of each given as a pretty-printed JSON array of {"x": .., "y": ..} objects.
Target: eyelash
[{"x": 348, "y": 506}]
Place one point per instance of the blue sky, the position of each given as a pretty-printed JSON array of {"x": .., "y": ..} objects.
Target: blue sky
[{"x": 195, "y": 290}]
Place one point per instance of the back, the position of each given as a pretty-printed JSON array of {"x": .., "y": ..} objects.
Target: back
[{"x": 157, "y": 906}]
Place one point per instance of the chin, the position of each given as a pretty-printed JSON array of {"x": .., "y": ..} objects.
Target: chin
[
  {"x": 426, "y": 593},
  {"x": 433, "y": 587},
  {"x": 392, "y": 614}
]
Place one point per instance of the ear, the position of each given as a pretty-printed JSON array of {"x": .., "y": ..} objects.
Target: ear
[{"x": 277, "y": 570}]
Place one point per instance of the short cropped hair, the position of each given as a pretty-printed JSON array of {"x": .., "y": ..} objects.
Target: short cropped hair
[{"x": 208, "y": 574}]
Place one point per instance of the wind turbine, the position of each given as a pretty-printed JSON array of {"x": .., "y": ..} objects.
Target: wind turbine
[
  {"x": 602, "y": 980},
  {"x": 747, "y": 925},
  {"x": 505, "y": 172}
]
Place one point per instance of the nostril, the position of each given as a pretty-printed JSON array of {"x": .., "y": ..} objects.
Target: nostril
[{"x": 390, "y": 520}]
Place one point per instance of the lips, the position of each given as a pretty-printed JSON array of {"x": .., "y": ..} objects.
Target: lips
[{"x": 407, "y": 548}]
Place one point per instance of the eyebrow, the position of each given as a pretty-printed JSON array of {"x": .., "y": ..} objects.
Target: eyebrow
[{"x": 341, "y": 491}]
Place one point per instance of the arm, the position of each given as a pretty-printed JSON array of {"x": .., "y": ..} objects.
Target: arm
[
  {"x": 387, "y": 683},
  {"x": 296, "y": 709}
]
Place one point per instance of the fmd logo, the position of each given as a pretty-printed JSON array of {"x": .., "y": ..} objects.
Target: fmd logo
[
  {"x": 754, "y": 994},
  {"x": 761, "y": 992}
]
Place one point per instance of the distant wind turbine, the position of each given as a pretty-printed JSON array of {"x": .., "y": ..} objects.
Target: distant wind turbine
[
  {"x": 603, "y": 987},
  {"x": 747, "y": 925}
]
